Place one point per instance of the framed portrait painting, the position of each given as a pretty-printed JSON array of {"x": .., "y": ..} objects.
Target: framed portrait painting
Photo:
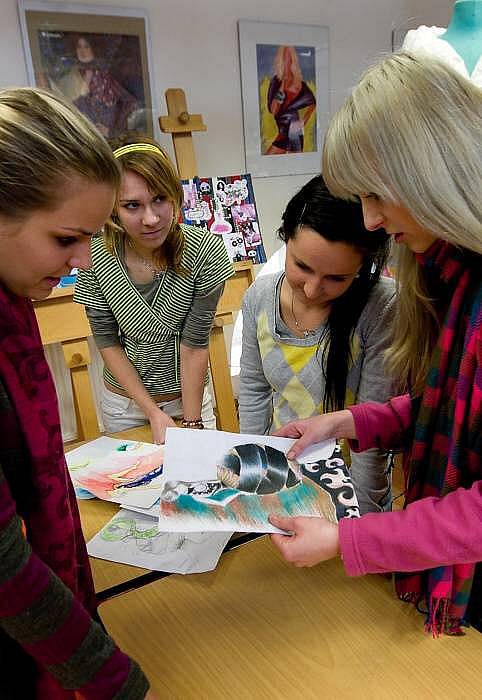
[
  {"x": 285, "y": 92},
  {"x": 97, "y": 57}
]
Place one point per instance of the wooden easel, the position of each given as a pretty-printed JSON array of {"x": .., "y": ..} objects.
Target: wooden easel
[{"x": 181, "y": 124}]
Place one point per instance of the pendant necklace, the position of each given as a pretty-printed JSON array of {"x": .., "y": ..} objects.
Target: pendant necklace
[
  {"x": 307, "y": 332},
  {"x": 156, "y": 272}
]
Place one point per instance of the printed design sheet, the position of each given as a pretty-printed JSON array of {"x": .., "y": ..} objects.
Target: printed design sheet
[{"x": 226, "y": 207}]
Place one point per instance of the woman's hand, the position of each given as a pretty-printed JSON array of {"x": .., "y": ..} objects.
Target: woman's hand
[
  {"x": 317, "y": 428},
  {"x": 159, "y": 422},
  {"x": 313, "y": 540}
]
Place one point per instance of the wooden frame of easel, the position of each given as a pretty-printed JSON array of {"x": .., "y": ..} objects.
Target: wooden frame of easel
[{"x": 180, "y": 124}]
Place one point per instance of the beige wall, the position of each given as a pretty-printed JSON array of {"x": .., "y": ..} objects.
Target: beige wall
[{"x": 430, "y": 12}]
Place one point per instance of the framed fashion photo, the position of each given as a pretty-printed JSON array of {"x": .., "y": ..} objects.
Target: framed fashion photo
[
  {"x": 285, "y": 94},
  {"x": 97, "y": 57}
]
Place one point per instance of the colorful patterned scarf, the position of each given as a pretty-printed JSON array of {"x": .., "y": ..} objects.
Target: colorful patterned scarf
[
  {"x": 447, "y": 445},
  {"x": 39, "y": 480}
]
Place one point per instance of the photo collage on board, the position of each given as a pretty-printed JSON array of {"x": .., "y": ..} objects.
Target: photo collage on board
[{"x": 226, "y": 207}]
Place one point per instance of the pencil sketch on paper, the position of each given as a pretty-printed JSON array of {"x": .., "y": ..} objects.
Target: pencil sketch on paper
[
  {"x": 131, "y": 538},
  {"x": 129, "y": 474},
  {"x": 249, "y": 481}
]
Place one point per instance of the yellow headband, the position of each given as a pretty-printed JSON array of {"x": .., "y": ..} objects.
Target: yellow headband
[{"x": 132, "y": 147}]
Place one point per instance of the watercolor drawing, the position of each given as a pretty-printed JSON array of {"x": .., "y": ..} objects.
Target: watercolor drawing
[
  {"x": 129, "y": 474},
  {"x": 248, "y": 481},
  {"x": 131, "y": 538}
]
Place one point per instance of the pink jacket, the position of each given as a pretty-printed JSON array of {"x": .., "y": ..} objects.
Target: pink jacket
[{"x": 431, "y": 532}]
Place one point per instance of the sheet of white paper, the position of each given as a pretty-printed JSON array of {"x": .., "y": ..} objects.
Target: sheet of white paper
[
  {"x": 132, "y": 538},
  {"x": 96, "y": 449},
  {"x": 185, "y": 461},
  {"x": 152, "y": 512},
  {"x": 194, "y": 497}
]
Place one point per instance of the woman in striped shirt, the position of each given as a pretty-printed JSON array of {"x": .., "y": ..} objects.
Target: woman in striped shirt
[{"x": 150, "y": 297}]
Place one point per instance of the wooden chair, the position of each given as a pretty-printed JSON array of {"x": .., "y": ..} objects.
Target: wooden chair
[
  {"x": 62, "y": 321},
  {"x": 229, "y": 304}
]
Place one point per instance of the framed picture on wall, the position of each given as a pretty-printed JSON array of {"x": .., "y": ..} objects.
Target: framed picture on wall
[
  {"x": 285, "y": 93},
  {"x": 97, "y": 57}
]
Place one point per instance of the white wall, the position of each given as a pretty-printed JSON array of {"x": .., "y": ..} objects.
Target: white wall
[
  {"x": 194, "y": 46},
  {"x": 430, "y": 12}
]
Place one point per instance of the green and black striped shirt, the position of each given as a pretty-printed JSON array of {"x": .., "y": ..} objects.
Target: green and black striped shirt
[{"x": 150, "y": 331}]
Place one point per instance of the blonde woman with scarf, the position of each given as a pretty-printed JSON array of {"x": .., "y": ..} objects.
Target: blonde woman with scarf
[{"x": 407, "y": 144}]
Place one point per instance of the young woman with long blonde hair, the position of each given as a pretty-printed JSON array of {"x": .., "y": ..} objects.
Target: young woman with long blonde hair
[{"x": 407, "y": 143}]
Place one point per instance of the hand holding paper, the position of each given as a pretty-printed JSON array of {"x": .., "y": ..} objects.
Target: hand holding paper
[{"x": 312, "y": 540}]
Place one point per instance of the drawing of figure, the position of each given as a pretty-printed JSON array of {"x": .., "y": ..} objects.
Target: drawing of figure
[
  {"x": 176, "y": 551},
  {"x": 149, "y": 539},
  {"x": 288, "y": 95},
  {"x": 95, "y": 92}
]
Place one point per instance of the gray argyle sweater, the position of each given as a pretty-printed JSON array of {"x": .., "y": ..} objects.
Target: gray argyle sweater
[{"x": 281, "y": 377}]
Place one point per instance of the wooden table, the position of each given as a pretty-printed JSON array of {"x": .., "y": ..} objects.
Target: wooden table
[{"x": 259, "y": 628}]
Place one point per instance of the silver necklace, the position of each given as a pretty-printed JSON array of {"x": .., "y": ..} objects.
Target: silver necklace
[
  {"x": 156, "y": 272},
  {"x": 307, "y": 332}
]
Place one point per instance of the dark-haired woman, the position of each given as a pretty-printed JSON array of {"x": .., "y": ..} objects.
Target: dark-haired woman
[{"x": 314, "y": 334}]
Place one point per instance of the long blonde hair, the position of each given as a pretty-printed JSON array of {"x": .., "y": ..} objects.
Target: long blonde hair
[
  {"x": 411, "y": 133},
  {"x": 287, "y": 65},
  {"x": 45, "y": 143}
]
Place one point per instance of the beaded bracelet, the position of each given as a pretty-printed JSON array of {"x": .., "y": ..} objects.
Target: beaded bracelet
[{"x": 198, "y": 423}]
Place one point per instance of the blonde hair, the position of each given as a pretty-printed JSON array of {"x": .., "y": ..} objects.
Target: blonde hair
[
  {"x": 156, "y": 168},
  {"x": 281, "y": 62},
  {"x": 45, "y": 143},
  {"x": 411, "y": 133}
]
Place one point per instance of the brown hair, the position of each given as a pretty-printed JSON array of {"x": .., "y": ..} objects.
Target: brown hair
[
  {"x": 45, "y": 143},
  {"x": 156, "y": 168}
]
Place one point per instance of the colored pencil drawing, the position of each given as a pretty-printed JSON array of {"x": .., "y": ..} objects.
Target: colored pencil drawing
[
  {"x": 135, "y": 539},
  {"x": 253, "y": 480},
  {"x": 89, "y": 454},
  {"x": 129, "y": 474}
]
